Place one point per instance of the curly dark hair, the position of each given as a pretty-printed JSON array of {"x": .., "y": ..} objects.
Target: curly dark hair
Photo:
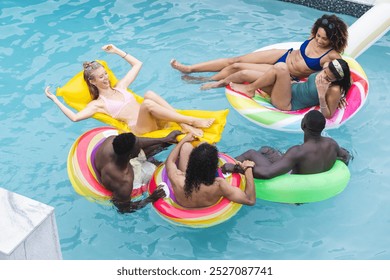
[
  {"x": 201, "y": 169},
  {"x": 336, "y": 30},
  {"x": 123, "y": 143}
]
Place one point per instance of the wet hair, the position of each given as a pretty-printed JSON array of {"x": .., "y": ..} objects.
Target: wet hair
[
  {"x": 89, "y": 70},
  {"x": 201, "y": 168},
  {"x": 344, "y": 81},
  {"x": 336, "y": 31},
  {"x": 314, "y": 121},
  {"x": 123, "y": 143}
]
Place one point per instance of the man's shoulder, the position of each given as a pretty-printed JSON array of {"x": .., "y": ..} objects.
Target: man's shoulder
[
  {"x": 330, "y": 140},
  {"x": 295, "y": 149}
]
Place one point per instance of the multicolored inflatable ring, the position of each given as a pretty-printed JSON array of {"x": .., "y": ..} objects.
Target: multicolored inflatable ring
[
  {"x": 170, "y": 210},
  {"x": 81, "y": 170},
  {"x": 296, "y": 188},
  {"x": 260, "y": 111}
]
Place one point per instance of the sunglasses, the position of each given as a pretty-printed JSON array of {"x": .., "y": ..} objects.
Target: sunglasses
[
  {"x": 326, "y": 22},
  {"x": 91, "y": 65}
]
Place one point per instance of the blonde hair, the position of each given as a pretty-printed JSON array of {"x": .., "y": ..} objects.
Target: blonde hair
[{"x": 89, "y": 70}]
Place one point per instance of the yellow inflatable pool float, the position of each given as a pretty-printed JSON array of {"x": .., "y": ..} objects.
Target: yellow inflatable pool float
[{"x": 76, "y": 94}]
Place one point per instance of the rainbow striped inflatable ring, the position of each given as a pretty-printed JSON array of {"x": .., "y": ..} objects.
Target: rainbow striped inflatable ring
[
  {"x": 82, "y": 172},
  {"x": 170, "y": 210},
  {"x": 260, "y": 111}
]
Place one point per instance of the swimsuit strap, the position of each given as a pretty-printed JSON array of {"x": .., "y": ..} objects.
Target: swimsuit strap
[
  {"x": 114, "y": 107},
  {"x": 312, "y": 63}
]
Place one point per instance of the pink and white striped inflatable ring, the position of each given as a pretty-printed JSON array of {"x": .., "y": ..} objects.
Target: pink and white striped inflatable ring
[
  {"x": 81, "y": 169},
  {"x": 260, "y": 111}
]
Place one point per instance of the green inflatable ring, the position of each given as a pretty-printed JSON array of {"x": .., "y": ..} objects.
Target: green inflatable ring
[{"x": 297, "y": 188}]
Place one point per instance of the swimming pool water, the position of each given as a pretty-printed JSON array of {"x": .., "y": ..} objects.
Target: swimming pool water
[{"x": 45, "y": 42}]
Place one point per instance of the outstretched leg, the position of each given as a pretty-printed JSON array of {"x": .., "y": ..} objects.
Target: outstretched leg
[
  {"x": 155, "y": 108},
  {"x": 208, "y": 66},
  {"x": 276, "y": 81},
  {"x": 260, "y": 57},
  {"x": 238, "y": 67},
  {"x": 239, "y": 77}
]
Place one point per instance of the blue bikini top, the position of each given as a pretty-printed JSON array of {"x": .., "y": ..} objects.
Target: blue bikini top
[{"x": 312, "y": 63}]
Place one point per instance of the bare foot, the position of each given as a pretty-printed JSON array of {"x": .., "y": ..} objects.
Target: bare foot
[
  {"x": 202, "y": 123},
  {"x": 217, "y": 84},
  {"x": 195, "y": 79},
  {"x": 190, "y": 129},
  {"x": 178, "y": 66},
  {"x": 243, "y": 89}
]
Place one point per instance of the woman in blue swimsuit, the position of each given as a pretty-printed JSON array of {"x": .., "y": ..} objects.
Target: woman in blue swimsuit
[
  {"x": 329, "y": 36},
  {"x": 324, "y": 88}
]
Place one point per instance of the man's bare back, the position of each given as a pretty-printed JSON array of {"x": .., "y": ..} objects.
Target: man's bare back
[
  {"x": 317, "y": 154},
  {"x": 112, "y": 161}
]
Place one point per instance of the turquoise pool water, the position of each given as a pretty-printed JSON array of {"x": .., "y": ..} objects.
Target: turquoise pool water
[{"x": 45, "y": 42}]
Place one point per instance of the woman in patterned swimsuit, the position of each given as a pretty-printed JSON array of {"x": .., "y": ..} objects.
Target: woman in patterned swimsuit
[
  {"x": 119, "y": 104},
  {"x": 329, "y": 36}
]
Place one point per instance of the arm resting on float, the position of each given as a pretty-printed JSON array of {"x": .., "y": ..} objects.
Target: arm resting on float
[
  {"x": 282, "y": 166},
  {"x": 237, "y": 195},
  {"x": 344, "y": 155},
  {"x": 86, "y": 113}
]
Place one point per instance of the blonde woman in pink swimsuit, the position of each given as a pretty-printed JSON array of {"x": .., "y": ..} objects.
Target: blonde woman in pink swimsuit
[{"x": 119, "y": 104}]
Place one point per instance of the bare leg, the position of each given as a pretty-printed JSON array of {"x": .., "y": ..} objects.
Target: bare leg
[
  {"x": 227, "y": 72},
  {"x": 156, "y": 108},
  {"x": 185, "y": 152},
  {"x": 238, "y": 67},
  {"x": 239, "y": 77},
  {"x": 158, "y": 99},
  {"x": 196, "y": 122},
  {"x": 261, "y": 57},
  {"x": 276, "y": 82}
]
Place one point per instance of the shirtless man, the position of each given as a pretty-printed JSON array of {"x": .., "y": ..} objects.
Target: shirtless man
[
  {"x": 317, "y": 154},
  {"x": 193, "y": 179},
  {"x": 116, "y": 173}
]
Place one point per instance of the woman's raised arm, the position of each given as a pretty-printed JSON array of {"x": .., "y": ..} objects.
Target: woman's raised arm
[{"x": 135, "y": 63}]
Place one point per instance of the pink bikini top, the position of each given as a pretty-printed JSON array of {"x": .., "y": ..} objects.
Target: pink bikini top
[{"x": 114, "y": 107}]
